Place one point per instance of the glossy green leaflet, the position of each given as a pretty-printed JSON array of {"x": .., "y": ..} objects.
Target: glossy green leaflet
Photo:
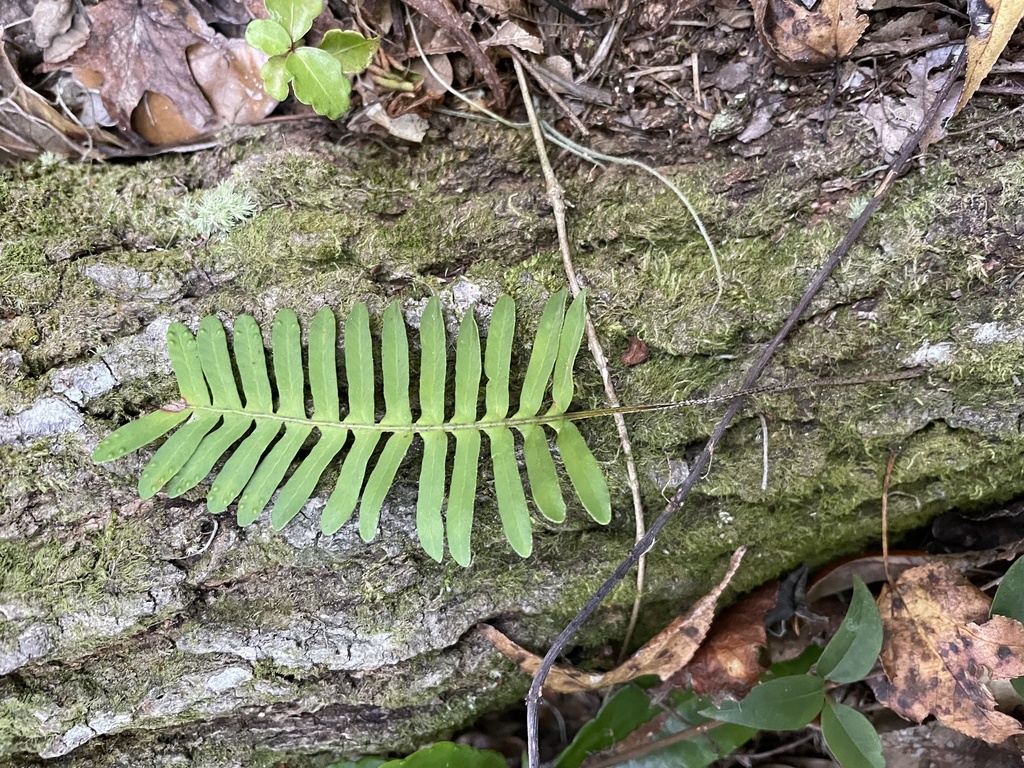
[{"x": 260, "y": 441}]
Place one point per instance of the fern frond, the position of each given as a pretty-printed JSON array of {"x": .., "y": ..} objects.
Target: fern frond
[{"x": 260, "y": 442}]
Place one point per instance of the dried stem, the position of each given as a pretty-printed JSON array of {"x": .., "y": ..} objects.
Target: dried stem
[{"x": 702, "y": 461}]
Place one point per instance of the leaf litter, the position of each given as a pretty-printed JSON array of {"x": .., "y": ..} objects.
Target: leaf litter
[
  {"x": 941, "y": 648},
  {"x": 665, "y": 655},
  {"x": 137, "y": 47},
  {"x": 145, "y": 65}
]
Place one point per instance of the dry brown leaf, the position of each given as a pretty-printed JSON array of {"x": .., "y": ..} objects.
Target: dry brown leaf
[
  {"x": 637, "y": 353},
  {"x": 65, "y": 44},
  {"x": 443, "y": 14},
  {"x": 504, "y": 9},
  {"x": 227, "y": 71},
  {"x": 139, "y": 46},
  {"x": 223, "y": 11},
  {"x": 30, "y": 125},
  {"x": 512, "y": 35},
  {"x": 992, "y": 24},
  {"x": 665, "y": 655},
  {"x": 939, "y": 648},
  {"x": 839, "y": 577},
  {"x": 729, "y": 661},
  {"x": 802, "y": 40},
  {"x": 442, "y": 66},
  {"x": 49, "y": 19}
]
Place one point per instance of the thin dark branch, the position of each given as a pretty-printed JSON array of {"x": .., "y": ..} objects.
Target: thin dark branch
[{"x": 702, "y": 461}]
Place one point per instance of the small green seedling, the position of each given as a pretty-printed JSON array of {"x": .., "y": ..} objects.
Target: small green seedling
[
  {"x": 791, "y": 702},
  {"x": 317, "y": 75}
]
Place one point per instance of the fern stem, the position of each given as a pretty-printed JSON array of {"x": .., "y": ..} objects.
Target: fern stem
[{"x": 552, "y": 418}]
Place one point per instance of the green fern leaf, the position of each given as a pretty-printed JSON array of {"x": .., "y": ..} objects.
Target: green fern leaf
[
  {"x": 236, "y": 420},
  {"x": 462, "y": 489}
]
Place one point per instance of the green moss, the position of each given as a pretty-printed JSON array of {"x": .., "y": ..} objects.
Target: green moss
[
  {"x": 337, "y": 226},
  {"x": 20, "y": 715},
  {"x": 57, "y": 578}
]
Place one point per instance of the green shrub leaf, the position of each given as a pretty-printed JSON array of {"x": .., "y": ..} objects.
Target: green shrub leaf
[
  {"x": 447, "y": 755},
  {"x": 276, "y": 77},
  {"x": 353, "y": 51},
  {"x": 800, "y": 665},
  {"x": 269, "y": 36},
  {"x": 318, "y": 81},
  {"x": 631, "y": 707},
  {"x": 366, "y": 762},
  {"x": 1009, "y": 601},
  {"x": 850, "y": 737},
  {"x": 782, "y": 704},
  {"x": 295, "y": 16},
  {"x": 852, "y": 651},
  {"x": 622, "y": 714}
]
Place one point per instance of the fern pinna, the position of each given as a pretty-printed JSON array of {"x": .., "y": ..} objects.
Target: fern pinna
[{"x": 214, "y": 415}]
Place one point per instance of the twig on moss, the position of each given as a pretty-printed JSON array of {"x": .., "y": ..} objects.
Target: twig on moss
[
  {"x": 885, "y": 514},
  {"x": 587, "y": 154},
  {"x": 558, "y": 207},
  {"x": 701, "y": 462},
  {"x": 764, "y": 451},
  {"x": 594, "y": 156},
  {"x": 551, "y": 92}
]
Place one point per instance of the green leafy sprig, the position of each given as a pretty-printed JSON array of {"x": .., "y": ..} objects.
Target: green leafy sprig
[
  {"x": 791, "y": 702},
  {"x": 317, "y": 75}
]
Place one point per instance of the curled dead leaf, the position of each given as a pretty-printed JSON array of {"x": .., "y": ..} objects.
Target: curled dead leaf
[
  {"x": 992, "y": 24},
  {"x": 665, "y": 655},
  {"x": 227, "y": 73},
  {"x": 49, "y": 19},
  {"x": 442, "y": 66},
  {"x": 940, "y": 647},
  {"x": 510, "y": 34},
  {"x": 637, "y": 353},
  {"x": 139, "y": 46},
  {"x": 801, "y": 40},
  {"x": 730, "y": 660}
]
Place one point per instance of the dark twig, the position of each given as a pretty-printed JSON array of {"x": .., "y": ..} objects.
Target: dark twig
[{"x": 701, "y": 463}]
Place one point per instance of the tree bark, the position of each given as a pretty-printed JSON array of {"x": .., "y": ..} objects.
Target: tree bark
[{"x": 150, "y": 633}]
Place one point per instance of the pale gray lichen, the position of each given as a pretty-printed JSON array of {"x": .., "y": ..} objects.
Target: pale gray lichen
[
  {"x": 128, "y": 283},
  {"x": 216, "y": 210},
  {"x": 47, "y": 418},
  {"x": 83, "y": 382}
]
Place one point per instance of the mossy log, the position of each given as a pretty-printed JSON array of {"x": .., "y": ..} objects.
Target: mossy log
[{"x": 152, "y": 634}]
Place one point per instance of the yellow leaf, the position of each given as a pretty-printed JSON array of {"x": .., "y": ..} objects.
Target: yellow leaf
[
  {"x": 992, "y": 24},
  {"x": 941, "y": 646}
]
